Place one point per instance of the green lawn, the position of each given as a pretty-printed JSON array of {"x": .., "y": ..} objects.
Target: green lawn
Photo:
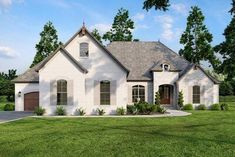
[{"x": 204, "y": 133}]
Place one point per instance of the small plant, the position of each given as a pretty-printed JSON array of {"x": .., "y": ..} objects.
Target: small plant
[
  {"x": 188, "y": 107},
  {"x": 120, "y": 111},
  {"x": 81, "y": 112},
  {"x": 161, "y": 109},
  {"x": 131, "y": 109},
  {"x": 39, "y": 111},
  {"x": 201, "y": 107},
  {"x": 9, "y": 107},
  {"x": 224, "y": 107},
  {"x": 215, "y": 107},
  {"x": 100, "y": 111},
  {"x": 157, "y": 98},
  {"x": 60, "y": 111},
  {"x": 181, "y": 100}
]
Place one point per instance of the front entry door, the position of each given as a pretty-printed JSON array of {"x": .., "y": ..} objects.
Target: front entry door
[{"x": 165, "y": 94}]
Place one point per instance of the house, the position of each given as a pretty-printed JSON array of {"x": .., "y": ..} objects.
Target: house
[{"x": 84, "y": 73}]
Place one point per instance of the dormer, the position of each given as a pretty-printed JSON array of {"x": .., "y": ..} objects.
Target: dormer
[{"x": 165, "y": 67}]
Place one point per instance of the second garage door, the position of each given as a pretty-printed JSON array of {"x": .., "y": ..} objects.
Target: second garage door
[{"x": 31, "y": 101}]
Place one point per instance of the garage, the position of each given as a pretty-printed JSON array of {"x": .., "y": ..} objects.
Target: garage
[{"x": 31, "y": 101}]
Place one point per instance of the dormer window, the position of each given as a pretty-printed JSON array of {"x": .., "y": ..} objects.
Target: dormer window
[
  {"x": 84, "y": 50},
  {"x": 165, "y": 67}
]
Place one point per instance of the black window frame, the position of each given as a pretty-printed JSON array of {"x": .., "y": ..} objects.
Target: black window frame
[
  {"x": 62, "y": 92},
  {"x": 105, "y": 92},
  {"x": 138, "y": 91},
  {"x": 196, "y": 94}
]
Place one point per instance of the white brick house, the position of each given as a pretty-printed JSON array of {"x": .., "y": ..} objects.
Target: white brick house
[{"x": 84, "y": 73}]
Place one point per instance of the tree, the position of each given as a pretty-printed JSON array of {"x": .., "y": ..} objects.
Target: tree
[
  {"x": 157, "y": 4},
  {"x": 97, "y": 35},
  {"x": 181, "y": 99},
  {"x": 196, "y": 39},
  {"x": 157, "y": 98},
  {"x": 47, "y": 44},
  {"x": 121, "y": 27},
  {"x": 232, "y": 11},
  {"x": 227, "y": 50}
]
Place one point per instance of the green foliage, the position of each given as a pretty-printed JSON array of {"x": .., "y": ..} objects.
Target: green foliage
[
  {"x": 188, "y": 107},
  {"x": 161, "y": 109},
  {"x": 227, "y": 98},
  {"x": 131, "y": 109},
  {"x": 145, "y": 108},
  {"x": 224, "y": 107},
  {"x": 215, "y": 107},
  {"x": 7, "y": 88},
  {"x": 157, "y": 4},
  {"x": 81, "y": 111},
  {"x": 47, "y": 44},
  {"x": 39, "y": 111},
  {"x": 227, "y": 50},
  {"x": 100, "y": 111},
  {"x": 97, "y": 35},
  {"x": 120, "y": 111},
  {"x": 225, "y": 88},
  {"x": 181, "y": 99},
  {"x": 121, "y": 27},
  {"x": 197, "y": 39},
  {"x": 157, "y": 98},
  {"x": 60, "y": 111},
  {"x": 232, "y": 11},
  {"x": 201, "y": 107},
  {"x": 9, "y": 107}
]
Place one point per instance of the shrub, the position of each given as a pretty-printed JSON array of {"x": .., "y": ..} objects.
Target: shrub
[
  {"x": 181, "y": 100},
  {"x": 120, "y": 111},
  {"x": 131, "y": 109},
  {"x": 157, "y": 98},
  {"x": 9, "y": 107},
  {"x": 145, "y": 108},
  {"x": 161, "y": 109},
  {"x": 81, "y": 112},
  {"x": 100, "y": 111},
  {"x": 224, "y": 107},
  {"x": 60, "y": 111},
  {"x": 188, "y": 107},
  {"x": 39, "y": 111},
  {"x": 215, "y": 107},
  {"x": 201, "y": 107}
]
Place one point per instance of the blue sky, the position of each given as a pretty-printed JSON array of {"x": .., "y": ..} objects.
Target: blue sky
[{"x": 21, "y": 21}]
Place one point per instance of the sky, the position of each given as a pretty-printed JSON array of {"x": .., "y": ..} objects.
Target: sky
[{"x": 21, "y": 22}]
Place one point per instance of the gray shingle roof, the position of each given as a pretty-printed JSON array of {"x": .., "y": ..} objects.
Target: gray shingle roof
[{"x": 143, "y": 57}]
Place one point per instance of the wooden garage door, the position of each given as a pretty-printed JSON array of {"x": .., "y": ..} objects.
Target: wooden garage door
[{"x": 31, "y": 101}]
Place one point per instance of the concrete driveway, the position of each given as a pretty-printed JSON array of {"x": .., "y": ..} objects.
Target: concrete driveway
[{"x": 6, "y": 116}]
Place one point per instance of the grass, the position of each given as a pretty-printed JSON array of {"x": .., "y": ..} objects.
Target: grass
[{"x": 204, "y": 133}]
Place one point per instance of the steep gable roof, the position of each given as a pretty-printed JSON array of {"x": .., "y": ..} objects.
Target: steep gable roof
[{"x": 141, "y": 58}]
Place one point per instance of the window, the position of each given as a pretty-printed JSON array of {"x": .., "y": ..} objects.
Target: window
[
  {"x": 62, "y": 92},
  {"x": 165, "y": 67},
  {"x": 138, "y": 93},
  {"x": 196, "y": 94},
  {"x": 105, "y": 93},
  {"x": 84, "y": 50}
]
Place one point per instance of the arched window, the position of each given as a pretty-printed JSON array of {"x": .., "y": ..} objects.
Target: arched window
[
  {"x": 165, "y": 67},
  {"x": 196, "y": 94},
  {"x": 138, "y": 93},
  {"x": 84, "y": 50},
  {"x": 61, "y": 92},
  {"x": 105, "y": 92}
]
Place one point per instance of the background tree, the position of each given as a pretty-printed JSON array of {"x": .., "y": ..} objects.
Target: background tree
[
  {"x": 47, "y": 44},
  {"x": 181, "y": 99},
  {"x": 157, "y": 98},
  {"x": 7, "y": 88},
  {"x": 157, "y": 4},
  {"x": 121, "y": 27},
  {"x": 196, "y": 39},
  {"x": 227, "y": 50},
  {"x": 97, "y": 35},
  {"x": 232, "y": 11}
]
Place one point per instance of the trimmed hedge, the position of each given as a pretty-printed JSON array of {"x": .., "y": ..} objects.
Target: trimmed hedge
[
  {"x": 215, "y": 107},
  {"x": 9, "y": 107},
  {"x": 201, "y": 107},
  {"x": 188, "y": 107}
]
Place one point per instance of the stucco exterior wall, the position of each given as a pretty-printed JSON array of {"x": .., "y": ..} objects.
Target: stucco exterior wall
[
  {"x": 24, "y": 88},
  {"x": 208, "y": 90},
  {"x": 100, "y": 67}
]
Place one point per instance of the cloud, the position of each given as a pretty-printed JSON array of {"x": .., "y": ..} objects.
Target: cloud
[
  {"x": 7, "y": 52},
  {"x": 139, "y": 17},
  {"x": 180, "y": 8},
  {"x": 101, "y": 27},
  {"x": 166, "y": 22},
  {"x": 5, "y": 4}
]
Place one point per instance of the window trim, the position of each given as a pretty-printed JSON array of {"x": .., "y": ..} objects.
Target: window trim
[
  {"x": 138, "y": 95},
  {"x": 198, "y": 95},
  {"x": 107, "y": 93},
  {"x": 87, "y": 50},
  {"x": 61, "y": 92}
]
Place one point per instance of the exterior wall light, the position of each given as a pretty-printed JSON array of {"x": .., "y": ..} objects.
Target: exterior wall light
[{"x": 19, "y": 94}]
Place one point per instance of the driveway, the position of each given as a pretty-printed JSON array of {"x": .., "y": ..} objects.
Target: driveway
[{"x": 6, "y": 116}]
